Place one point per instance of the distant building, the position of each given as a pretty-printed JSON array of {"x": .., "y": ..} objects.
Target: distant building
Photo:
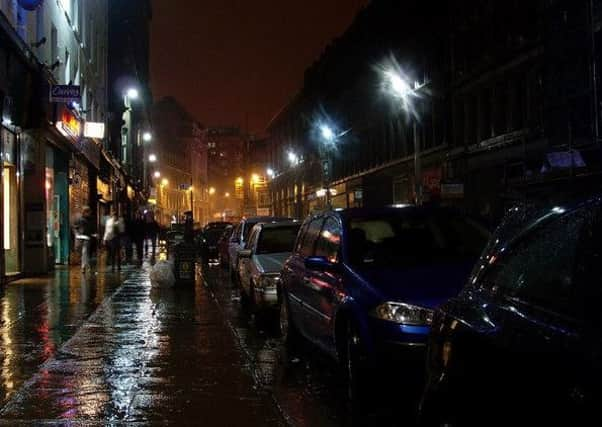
[
  {"x": 180, "y": 170},
  {"x": 227, "y": 149}
]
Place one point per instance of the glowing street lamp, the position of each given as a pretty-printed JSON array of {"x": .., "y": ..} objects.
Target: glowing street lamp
[
  {"x": 239, "y": 181},
  {"x": 293, "y": 158},
  {"x": 270, "y": 172},
  {"x": 398, "y": 87},
  {"x": 152, "y": 158},
  {"x": 157, "y": 174},
  {"x": 327, "y": 133},
  {"x": 147, "y": 137},
  {"x": 211, "y": 191},
  {"x": 227, "y": 195},
  {"x": 132, "y": 93},
  {"x": 255, "y": 178},
  {"x": 164, "y": 182}
]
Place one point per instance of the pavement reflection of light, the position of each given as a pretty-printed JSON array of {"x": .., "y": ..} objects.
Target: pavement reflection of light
[
  {"x": 7, "y": 347},
  {"x": 135, "y": 347}
]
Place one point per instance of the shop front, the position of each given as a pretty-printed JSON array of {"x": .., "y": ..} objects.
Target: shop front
[{"x": 10, "y": 202}]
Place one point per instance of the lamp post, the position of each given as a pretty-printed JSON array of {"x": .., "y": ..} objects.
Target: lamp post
[{"x": 399, "y": 87}]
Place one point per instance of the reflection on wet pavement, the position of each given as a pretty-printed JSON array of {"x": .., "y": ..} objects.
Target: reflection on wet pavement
[
  {"x": 306, "y": 386},
  {"x": 143, "y": 355}
]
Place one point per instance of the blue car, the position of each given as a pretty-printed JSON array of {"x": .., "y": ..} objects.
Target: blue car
[
  {"x": 362, "y": 284},
  {"x": 521, "y": 344}
]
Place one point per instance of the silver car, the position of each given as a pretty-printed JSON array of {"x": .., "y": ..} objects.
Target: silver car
[
  {"x": 239, "y": 238},
  {"x": 268, "y": 246}
]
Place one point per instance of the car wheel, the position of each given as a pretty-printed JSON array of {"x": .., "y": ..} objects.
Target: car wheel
[
  {"x": 288, "y": 331},
  {"x": 354, "y": 364}
]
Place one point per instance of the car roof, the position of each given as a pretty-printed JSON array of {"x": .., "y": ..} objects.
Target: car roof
[
  {"x": 278, "y": 224},
  {"x": 266, "y": 219}
]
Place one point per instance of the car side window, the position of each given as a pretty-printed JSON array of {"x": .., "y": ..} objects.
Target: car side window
[
  {"x": 253, "y": 238},
  {"x": 329, "y": 240},
  {"x": 540, "y": 268},
  {"x": 236, "y": 233},
  {"x": 311, "y": 235},
  {"x": 300, "y": 235}
]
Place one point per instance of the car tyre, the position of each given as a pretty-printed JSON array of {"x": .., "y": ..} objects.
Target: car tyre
[
  {"x": 288, "y": 331},
  {"x": 355, "y": 365}
]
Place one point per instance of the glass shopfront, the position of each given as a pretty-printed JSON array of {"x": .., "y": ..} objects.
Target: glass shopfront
[{"x": 10, "y": 200}]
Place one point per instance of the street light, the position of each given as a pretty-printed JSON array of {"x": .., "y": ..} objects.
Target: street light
[
  {"x": 157, "y": 174},
  {"x": 397, "y": 86},
  {"x": 327, "y": 133},
  {"x": 147, "y": 137},
  {"x": 227, "y": 195},
  {"x": 293, "y": 158},
  {"x": 132, "y": 93},
  {"x": 164, "y": 182},
  {"x": 270, "y": 173},
  {"x": 255, "y": 178},
  {"x": 211, "y": 191},
  {"x": 152, "y": 158}
]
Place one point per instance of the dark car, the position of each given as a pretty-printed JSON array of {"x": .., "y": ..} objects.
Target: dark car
[
  {"x": 521, "y": 344},
  {"x": 222, "y": 246},
  {"x": 362, "y": 284},
  {"x": 209, "y": 238}
]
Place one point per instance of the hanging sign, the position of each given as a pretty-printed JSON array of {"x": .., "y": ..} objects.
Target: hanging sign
[
  {"x": 69, "y": 125},
  {"x": 65, "y": 93}
]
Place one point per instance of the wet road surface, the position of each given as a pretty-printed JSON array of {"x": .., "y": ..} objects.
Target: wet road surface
[
  {"x": 111, "y": 348},
  {"x": 306, "y": 386}
]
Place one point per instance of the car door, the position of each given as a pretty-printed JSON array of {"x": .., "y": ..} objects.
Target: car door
[
  {"x": 245, "y": 265},
  {"x": 323, "y": 288},
  {"x": 298, "y": 291},
  {"x": 532, "y": 352},
  {"x": 234, "y": 245}
]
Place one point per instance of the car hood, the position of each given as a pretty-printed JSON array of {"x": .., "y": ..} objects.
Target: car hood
[
  {"x": 426, "y": 286},
  {"x": 271, "y": 263}
]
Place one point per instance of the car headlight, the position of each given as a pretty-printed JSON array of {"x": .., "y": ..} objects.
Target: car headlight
[
  {"x": 268, "y": 281},
  {"x": 404, "y": 314}
]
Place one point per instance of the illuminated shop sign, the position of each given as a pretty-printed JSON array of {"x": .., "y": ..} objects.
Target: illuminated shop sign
[
  {"x": 94, "y": 130},
  {"x": 69, "y": 125}
]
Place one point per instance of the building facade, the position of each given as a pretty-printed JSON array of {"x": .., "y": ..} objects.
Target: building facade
[
  {"x": 502, "y": 109},
  {"x": 51, "y": 162},
  {"x": 180, "y": 169}
]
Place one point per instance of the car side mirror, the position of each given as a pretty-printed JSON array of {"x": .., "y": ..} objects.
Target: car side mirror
[
  {"x": 320, "y": 263},
  {"x": 245, "y": 253}
]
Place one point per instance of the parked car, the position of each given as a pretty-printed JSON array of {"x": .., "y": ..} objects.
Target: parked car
[
  {"x": 222, "y": 246},
  {"x": 239, "y": 238},
  {"x": 269, "y": 245},
  {"x": 208, "y": 240},
  {"x": 362, "y": 284},
  {"x": 522, "y": 340}
]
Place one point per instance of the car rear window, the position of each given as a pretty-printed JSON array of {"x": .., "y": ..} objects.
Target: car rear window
[
  {"x": 277, "y": 239},
  {"x": 413, "y": 240}
]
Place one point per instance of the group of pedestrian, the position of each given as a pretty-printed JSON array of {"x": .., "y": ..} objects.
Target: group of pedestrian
[{"x": 121, "y": 237}]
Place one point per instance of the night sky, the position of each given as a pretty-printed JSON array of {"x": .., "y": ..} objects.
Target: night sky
[{"x": 229, "y": 60}]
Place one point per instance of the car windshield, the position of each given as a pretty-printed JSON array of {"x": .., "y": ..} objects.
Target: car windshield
[
  {"x": 413, "y": 240},
  {"x": 213, "y": 234},
  {"x": 277, "y": 239}
]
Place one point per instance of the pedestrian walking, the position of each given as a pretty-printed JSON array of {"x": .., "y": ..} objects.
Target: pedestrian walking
[
  {"x": 114, "y": 229},
  {"x": 137, "y": 234},
  {"x": 84, "y": 232}
]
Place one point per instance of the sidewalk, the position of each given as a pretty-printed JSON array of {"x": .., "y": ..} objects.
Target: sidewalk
[{"x": 144, "y": 355}]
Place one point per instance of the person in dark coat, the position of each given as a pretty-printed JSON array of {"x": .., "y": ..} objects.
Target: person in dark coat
[{"x": 84, "y": 232}]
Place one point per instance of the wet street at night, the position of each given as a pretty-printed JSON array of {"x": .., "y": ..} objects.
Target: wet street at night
[
  {"x": 111, "y": 348},
  {"x": 114, "y": 348}
]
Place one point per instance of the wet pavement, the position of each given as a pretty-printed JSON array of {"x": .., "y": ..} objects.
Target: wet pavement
[
  {"x": 112, "y": 348},
  {"x": 306, "y": 386}
]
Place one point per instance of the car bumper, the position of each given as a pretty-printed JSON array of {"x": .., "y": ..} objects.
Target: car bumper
[
  {"x": 266, "y": 298},
  {"x": 396, "y": 342}
]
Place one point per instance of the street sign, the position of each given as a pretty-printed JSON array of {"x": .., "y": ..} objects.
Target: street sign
[{"x": 65, "y": 93}]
